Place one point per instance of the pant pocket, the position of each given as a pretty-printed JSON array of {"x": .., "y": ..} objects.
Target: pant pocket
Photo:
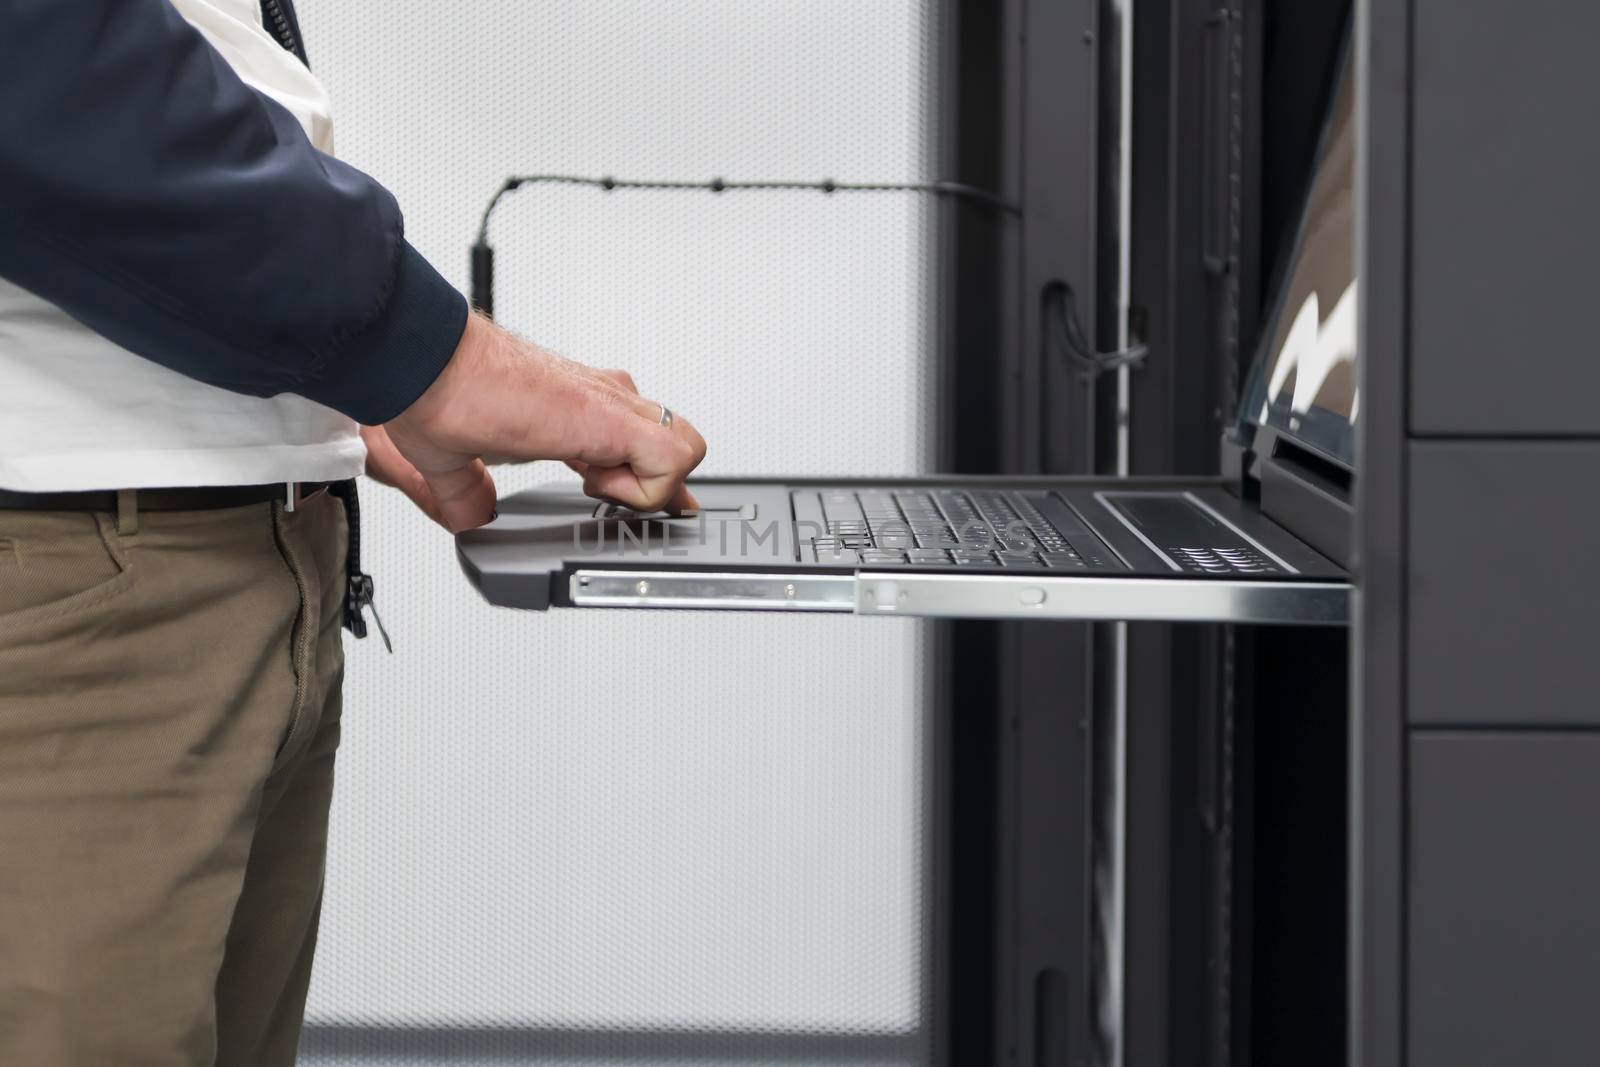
[{"x": 55, "y": 564}]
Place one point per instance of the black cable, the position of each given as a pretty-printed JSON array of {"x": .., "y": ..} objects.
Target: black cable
[
  {"x": 720, "y": 185},
  {"x": 1076, "y": 347},
  {"x": 483, "y": 254}
]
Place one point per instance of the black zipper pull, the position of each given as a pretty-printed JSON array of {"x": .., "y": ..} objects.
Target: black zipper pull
[
  {"x": 358, "y": 583},
  {"x": 357, "y": 600}
]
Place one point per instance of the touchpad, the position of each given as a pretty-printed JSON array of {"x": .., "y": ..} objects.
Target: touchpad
[{"x": 1190, "y": 535}]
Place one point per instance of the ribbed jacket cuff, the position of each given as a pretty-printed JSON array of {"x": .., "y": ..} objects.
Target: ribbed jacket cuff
[{"x": 380, "y": 371}]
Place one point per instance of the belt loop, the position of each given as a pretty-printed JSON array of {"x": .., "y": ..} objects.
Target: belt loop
[{"x": 127, "y": 512}]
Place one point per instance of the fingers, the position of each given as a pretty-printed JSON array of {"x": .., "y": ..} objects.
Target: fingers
[
  {"x": 604, "y": 486},
  {"x": 415, "y": 487},
  {"x": 624, "y": 452},
  {"x": 500, "y": 396},
  {"x": 682, "y": 502},
  {"x": 465, "y": 495},
  {"x": 616, "y": 484},
  {"x": 387, "y": 466},
  {"x": 682, "y": 499},
  {"x": 650, "y": 465}
]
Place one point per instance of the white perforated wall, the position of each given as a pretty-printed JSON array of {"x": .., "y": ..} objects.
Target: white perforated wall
[{"x": 633, "y": 837}]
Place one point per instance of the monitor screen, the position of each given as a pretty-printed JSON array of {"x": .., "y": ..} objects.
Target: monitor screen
[{"x": 1303, "y": 382}]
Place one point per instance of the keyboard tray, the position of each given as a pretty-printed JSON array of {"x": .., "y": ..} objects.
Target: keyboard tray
[{"x": 1084, "y": 549}]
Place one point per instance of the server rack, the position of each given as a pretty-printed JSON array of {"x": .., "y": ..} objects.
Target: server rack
[
  {"x": 1388, "y": 864},
  {"x": 1475, "y": 764},
  {"x": 1208, "y": 727}
]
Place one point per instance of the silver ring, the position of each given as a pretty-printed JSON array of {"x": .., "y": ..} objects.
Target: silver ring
[{"x": 666, "y": 415}]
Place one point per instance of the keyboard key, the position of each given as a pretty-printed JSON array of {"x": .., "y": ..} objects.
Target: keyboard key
[
  {"x": 878, "y": 555},
  {"x": 928, "y": 555},
  {"x": 841, "y": 505}
]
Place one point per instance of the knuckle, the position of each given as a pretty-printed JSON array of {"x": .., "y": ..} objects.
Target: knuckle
[{"x": 608, "y": 399}]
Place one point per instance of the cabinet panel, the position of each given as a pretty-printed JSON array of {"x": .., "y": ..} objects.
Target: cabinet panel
[
  {"x": 1505, "y": 223},
  {"x": 1504, "y": 582},
  {"x": 1505, "y": 900}
]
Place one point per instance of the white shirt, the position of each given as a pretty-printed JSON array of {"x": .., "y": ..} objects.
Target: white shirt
[{"x": 79, "y": 412}]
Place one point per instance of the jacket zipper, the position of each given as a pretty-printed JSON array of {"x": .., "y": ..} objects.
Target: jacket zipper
[
  {"x": 279, "y": 19},
  {"x": 359, "y": 586}
]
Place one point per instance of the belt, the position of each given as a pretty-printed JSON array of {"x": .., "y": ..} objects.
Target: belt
[
  {"x": 358, "y": 584},
  {"x": 199, "y": 498}
]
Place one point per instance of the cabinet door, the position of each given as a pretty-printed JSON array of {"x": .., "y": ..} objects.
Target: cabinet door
[
  {"x": 1504, "y": 582},
  {"x": 1505, "y": 900},
  {"x": 1504, "y": 219}
]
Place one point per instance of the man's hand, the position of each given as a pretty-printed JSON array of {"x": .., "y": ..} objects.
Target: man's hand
[
  {"x": 386, "y": 465},
  {"x": 502, "y": 398}
]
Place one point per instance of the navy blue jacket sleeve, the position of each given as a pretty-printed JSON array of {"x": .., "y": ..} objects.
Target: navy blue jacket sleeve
[{"x": 156, "y": 198}]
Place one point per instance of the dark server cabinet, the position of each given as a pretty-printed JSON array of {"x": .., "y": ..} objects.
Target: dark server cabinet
[
  {"x": 1475, "y": 749},
  {"x": 1237, "y": 739},
  {"x": 1382, "y": 865},
  {"x": 1232, "y": 941}
]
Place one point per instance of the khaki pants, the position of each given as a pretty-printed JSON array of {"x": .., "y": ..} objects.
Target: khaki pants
[{"x": 169, "y": 711}]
